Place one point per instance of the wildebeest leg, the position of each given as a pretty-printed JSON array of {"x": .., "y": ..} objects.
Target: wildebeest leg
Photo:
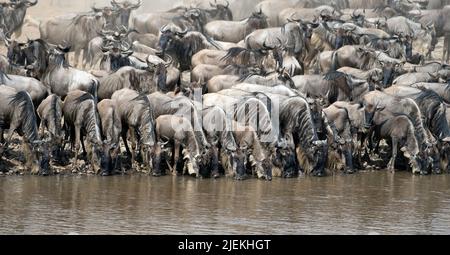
[
  {"x": 446, "y": 48},
  {"x": 176, "y": 156},
  {"x": 157, "y": 162},
  {"x": 77, "y": 57},
  {"x": 77, "y": 147},
  {"x": 134, "y": 165},
  {"x": 18, "y": 32},
  {"x": 391, "y": 164},
  {"x": 42, "y": 129},
  {"x": 2, "y": 138}
]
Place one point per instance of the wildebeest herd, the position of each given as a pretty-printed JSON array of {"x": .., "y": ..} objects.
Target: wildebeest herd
[{"x": 297, "y": 87}]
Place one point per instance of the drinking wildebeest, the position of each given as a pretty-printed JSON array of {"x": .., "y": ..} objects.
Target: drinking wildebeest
[
  {"x": 50, "y": 113},
  {"x": 17, "y": 115},
  {"x": 81, "y": 123},
  {"x": 180, "y": 131},
  {"x": 137, "y": 116},
  {"x": 297, "y": 126},
  {"x": 219, "y": 133},
  {"x": 111, "y": 130}
]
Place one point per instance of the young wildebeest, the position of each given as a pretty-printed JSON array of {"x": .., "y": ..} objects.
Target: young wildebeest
[
  {"x": 111, "y": 128},
  {"x": 400, "y": 131},
  {"x": 81, "y": 120},
  {"x": 137, "y": 117},
  {"x": 17, "y": 114},
  {"x": 178, "y": 129},
  {"x": 50, "y": 113}
]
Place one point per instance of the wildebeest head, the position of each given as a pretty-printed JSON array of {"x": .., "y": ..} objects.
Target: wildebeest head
[
  {"x": 359, "y": 18},
  {"x": 39, "y": 157},
  {"x": 390, "y": 71},
  {"x": 109, "y": 14},
  {"x": 119, "y": 56},
  {"x": 258, "y": 20},
  {"x": 238, "y": 162},
  {"x": 16, "y": 54},
  {"x": 221, "y": 11},
  {"x": 370, "y": 110},
  {"x": 159, "y": 68},
  {"x": 124, "y": 10},
  {"x": 168, "y": 35}
]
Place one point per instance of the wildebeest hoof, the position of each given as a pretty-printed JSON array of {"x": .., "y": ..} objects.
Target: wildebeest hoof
[
  {"x": 319, "y": 173},
  {"x": 215, "y": 175},
  {"x": 349, "y": 171},
  {"x": 156, "y": 174},
  {"x": 106, "y": 173},
  {"x": 437, "y": 171},
  {"x": 422, "y": 172},
  {"x": 239, "y": 178}
]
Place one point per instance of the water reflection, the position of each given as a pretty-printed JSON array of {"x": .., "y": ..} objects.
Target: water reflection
[{"x": 365, "y": 203}]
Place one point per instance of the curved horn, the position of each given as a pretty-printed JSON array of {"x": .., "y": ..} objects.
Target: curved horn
[
  {"x": 228, "y": 4},
  {"x": 183, "y": 33},
  {"x": 163, "y": 29},
  {"x": 114, "y": 3},
  {"x": 353, "y": 13},
  {"x": 137, "y": 5},
  {"x": 169, "y": 61},
  {"x": 29, "y": 3},
  {"x": 212, "y": 5}
]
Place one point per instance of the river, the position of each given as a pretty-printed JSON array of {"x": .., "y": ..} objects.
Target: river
[{"x": 365, "y": 203}]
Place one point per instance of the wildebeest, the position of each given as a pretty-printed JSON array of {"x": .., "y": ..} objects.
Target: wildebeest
[
  {"x": 13, "y": 15},
  {"x": 219, "y": 133},
  {"x": 180, "y": 130},
  {"x": 248, "y": 143},
  {"x": 111, "y": 125},
  {"x": 50, "y": 113},
  {"x": 76, "y": 30},
  {"x": 411, "y": 78},
  {"x": 361, "y": 58},
  {"x": 144, "y": 81},
  {"x": 152, "y": 22},
  {"x": 62, "y": 78},
  {"x": 335, "y": 86},
  {"x": 235, "y": 31},
  {"x": 390, "y": 106},
  {"x": 180, "y": 106},
  {"x": 297, "y": 127},
  {"x": 400, "y": 131},
  {"x": 81, "y": 121},
  {"x": 182, "y": 45},
  {"x": 124, "y": 9},
  {"x": 17, "y": 115},
  {"x": 137, "y": 117},
  {"x": 37, "y": 91}
]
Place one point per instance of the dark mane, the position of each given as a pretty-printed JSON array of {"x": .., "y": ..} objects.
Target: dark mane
[
  {"x": 147, "y": 120},
  {"x": 84, "y": 97},
  {"x": 295, "y": 117},
  {"x": 21, "y": 101},
  {"x": 434, "y": 109},
  {"x": 337, "y": 81}
]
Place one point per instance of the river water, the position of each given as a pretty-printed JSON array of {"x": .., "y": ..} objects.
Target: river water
[{"x": 363, "y": 203}]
